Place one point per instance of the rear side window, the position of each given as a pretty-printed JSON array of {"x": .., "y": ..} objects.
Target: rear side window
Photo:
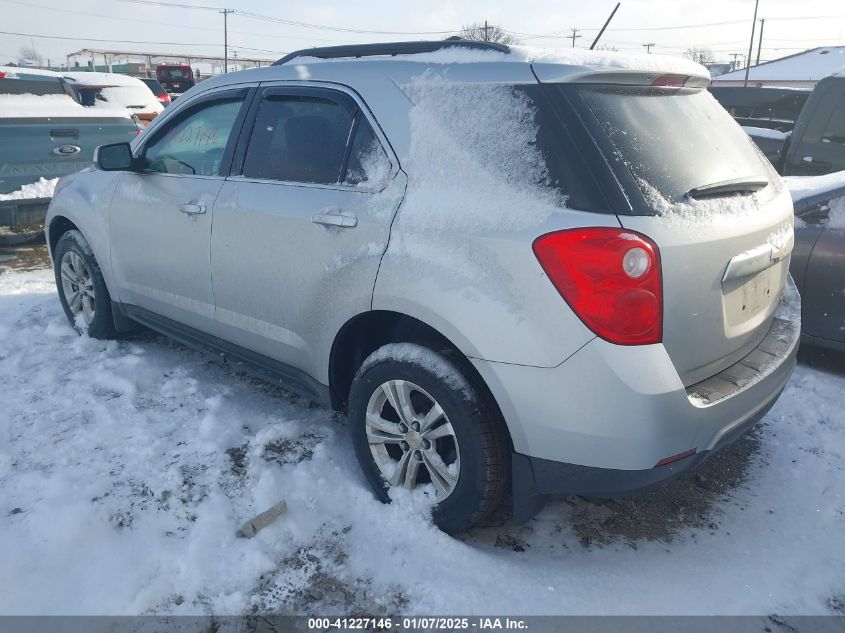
[
  {"x": 368, "y": 163},
  {"x": 194, "y": 144},
  {"x": 674, "y": 140},
  {"x": 298, "y": 139},
  {"x": 38, "y": 85}
]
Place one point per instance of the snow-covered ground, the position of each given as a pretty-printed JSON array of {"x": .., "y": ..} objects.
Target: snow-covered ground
[
  {"x": 126, "y": 468},
  {"x": 42, "y": 188}
]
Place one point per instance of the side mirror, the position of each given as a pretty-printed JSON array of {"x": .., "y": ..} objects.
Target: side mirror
[{"x": 113, "y": 157}]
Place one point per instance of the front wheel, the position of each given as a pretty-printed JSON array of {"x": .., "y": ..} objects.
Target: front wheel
[
  {"x": 416, "y": 422},
  {"x": 82, "y": 290}
]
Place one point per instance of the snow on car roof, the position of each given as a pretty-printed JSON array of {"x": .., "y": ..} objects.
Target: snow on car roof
[
  {"x": 23, "y": 70},
  {"x": 28, "y": 106},
  {"x": 101, "y": 79},
  {"x": 525, "y": 54}
]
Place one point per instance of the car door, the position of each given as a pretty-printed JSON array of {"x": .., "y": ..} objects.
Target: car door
[
  {"x": 821, "y": 147},
  {"x": 161, "y": 217},
  {"x": 301, "y": 224},
  {"x": 823, "y": 302}
]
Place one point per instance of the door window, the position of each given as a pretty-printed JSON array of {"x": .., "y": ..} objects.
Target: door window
[
  {"x": 298, "y": 139},
  {"x": 834, "y": 131},
  {"x": 194, "y": 144}
]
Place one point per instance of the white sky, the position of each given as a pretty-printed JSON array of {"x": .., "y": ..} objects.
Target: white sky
[{"x": 790, "y": 26}]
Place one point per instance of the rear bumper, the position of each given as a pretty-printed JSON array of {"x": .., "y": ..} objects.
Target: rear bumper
[
  {"x": 599, "y": 423},
  {"x": 536, "y": 479}
]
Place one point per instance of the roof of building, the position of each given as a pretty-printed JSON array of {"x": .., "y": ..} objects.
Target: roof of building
[{"x": 809, "y": 65}]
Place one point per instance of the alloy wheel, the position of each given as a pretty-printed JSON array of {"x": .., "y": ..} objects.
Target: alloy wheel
[{"x": 411, "y": 439}]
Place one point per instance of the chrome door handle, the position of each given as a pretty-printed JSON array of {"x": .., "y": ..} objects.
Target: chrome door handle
[
  {"x": 192, "y": 209},
  {"x": 335, "y": 217}
]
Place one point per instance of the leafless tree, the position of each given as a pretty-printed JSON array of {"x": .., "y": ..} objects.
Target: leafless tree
[
  {"x": 700, "y": 54},
  {"x": 31, "y": 56},
  {"x": 607, "y": 47},
  {"x": 483, "y": 32}
]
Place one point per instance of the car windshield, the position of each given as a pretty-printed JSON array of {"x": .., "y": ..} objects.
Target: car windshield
[{"x": 674, "y": 140}]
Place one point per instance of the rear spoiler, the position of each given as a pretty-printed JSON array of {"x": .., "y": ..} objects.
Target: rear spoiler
[{"x": 546, "y": 73}]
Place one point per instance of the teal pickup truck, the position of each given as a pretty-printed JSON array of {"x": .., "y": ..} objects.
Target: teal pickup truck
[{"x": 45, "y": 133}]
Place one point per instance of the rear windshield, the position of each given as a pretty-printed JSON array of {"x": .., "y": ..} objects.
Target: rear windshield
[
  {"x": 174, "y": 74},
  {"x": 37, "y": 85},
  {"x": 154, "y": 86},
  {"x": 674, "y": 140}
]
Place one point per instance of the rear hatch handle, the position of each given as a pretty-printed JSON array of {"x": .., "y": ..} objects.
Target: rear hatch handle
[{"x": 757, "y": 259}]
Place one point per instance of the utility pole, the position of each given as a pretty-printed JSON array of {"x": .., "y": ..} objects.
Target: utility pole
[
  {"x": 760, "y": 41},
  {"x": 226, "y": 13},
  {"x": 486, "y": 36},
  {"x": 649, "y": 46},
  {"x": 734, "y": 64},
  {"x": 574, "y": 36},
  {"x": 751, "y": 43}
]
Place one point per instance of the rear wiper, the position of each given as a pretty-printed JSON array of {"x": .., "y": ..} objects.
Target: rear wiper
[{"x": 727, "y": 187}]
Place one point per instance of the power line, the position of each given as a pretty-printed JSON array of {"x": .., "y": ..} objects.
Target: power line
[
  {"x": 278, "y": 20},
  {"x": 108, "y": 41},
  {"x": 174, "y": 25}
]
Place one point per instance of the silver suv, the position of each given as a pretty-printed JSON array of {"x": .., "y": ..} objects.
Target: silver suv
[{"x": 518, "y": 275}]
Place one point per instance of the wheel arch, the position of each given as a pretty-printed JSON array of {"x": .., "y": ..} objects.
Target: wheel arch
[{"x": 364, "y": 333}]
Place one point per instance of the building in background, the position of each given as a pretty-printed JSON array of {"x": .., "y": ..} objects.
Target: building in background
[{"x": 801, "y": 70}]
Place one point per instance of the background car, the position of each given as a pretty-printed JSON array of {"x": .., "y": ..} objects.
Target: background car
[
  {"x": 818, "y": 261},
  {"x": 158, "y": 90},
  {"x": 111, "y": 90},
  {"x": 45, "y": 133}
]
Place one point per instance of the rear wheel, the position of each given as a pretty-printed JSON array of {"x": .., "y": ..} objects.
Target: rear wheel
[
  {"x": 416, "y": 422},
  {"x": 82, "y": 289}
]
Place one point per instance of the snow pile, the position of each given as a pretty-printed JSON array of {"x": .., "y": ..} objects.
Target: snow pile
[
  {"x": 27, "y": 106},
  {"x": 43, "y": 188},
  {"x": 127, "y": 466},
  {"x": 803, "y": 186},
  {"x": 473, "y": 162},
  {"x": 764, "y": 132}
]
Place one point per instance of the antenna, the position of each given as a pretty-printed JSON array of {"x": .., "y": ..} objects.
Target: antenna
[{"x": 596, "y": 41}]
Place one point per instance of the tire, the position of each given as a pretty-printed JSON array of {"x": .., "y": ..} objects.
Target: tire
[
  {"x": 469, "y": 437},
  {"x": 82, "y": 290}
]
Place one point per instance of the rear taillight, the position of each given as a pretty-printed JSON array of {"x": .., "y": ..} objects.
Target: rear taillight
[
  {"x": 610, "y": 278},
  {"x": 164, "y": 97}
]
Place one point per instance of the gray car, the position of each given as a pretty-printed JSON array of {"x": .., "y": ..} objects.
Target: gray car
[
  {"x": 518, "y": 276},
  {"x": 818, "y": 263}
]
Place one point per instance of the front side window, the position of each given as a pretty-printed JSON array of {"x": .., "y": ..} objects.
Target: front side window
[
  {"x": 298, "y": 139},
  {"x": 194, "y": 144}
]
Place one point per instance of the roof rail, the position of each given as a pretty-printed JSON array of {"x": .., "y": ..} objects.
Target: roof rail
[{"x": 390, "y": 48}]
